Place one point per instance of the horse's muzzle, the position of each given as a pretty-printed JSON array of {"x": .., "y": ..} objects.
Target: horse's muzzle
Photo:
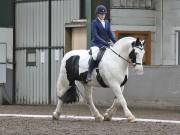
[{"x": 139, "y": 69}]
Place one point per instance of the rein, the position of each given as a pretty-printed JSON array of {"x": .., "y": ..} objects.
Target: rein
[
  {"x": 118, "y": 54},
  {"x": 122, "y": 57}
]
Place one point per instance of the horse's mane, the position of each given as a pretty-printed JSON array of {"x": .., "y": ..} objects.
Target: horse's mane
[
  {"x": 123, "y": 43},
  {"x": 125, "y": 40}
]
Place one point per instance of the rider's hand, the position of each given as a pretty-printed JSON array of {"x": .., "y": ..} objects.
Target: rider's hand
[{"x": 110, "y": 43}]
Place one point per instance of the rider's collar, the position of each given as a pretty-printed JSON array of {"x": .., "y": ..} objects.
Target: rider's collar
[{"x": 100, "y": 19}]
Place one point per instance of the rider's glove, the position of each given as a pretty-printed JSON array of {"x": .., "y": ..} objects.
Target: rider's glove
[{"x": 110, "y": 43}]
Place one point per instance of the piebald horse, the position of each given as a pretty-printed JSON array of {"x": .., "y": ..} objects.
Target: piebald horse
[{"x": 113, "y": 70}]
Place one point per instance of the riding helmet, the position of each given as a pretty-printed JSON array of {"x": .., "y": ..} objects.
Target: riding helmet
[{"x": 101, "y": 9}]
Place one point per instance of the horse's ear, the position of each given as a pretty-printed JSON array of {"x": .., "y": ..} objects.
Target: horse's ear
[
  {"x": 137, "y": 40},
  {"x": 142, "y": 42}
]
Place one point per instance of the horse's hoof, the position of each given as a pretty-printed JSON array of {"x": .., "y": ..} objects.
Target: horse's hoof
[
  {"x": 55, "y": 116},
  {"x": 99, "y": 118},
  {"x": 131, "y": 119},
  {"x": 107, "y": 117}
]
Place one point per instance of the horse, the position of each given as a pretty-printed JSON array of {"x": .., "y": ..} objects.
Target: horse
[{"x": 113, "y": 72}]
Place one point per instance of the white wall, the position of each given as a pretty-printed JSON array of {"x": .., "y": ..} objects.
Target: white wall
[
  {"x": 157, "y": 35},
  {"x": 171, "y": 21},
  {"x": 133, "y": 19}
]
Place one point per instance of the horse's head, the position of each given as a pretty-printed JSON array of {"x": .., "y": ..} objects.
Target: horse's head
[{"x": 136, "y": 55}]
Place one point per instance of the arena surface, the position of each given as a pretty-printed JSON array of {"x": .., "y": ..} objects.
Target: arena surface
[{"x": 77, "y": 120}]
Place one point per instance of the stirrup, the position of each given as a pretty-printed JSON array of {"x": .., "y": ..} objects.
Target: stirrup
[{"x": 88, "y": 78}]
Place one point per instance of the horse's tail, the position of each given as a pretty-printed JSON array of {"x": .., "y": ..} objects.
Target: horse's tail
[{"x": 71, "y": 95}]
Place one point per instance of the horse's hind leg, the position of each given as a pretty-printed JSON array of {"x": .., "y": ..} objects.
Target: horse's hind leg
[
  {"x": 112, "y": 110},
  {"x": 62, "y": 87},
  {"x": 89, "y": 99},
  {"x": 58, "y": 109}
]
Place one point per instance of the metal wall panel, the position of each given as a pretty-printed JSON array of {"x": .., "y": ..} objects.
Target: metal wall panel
[
  {"x": 32, "y": 24},
  {"x": 63, "y": 11},
  {"x": 55, "y": 73},
  {"x": 3, "y": 61},
  {"x": 31, "y": 82},
  {"x": 32, "y": 31}
]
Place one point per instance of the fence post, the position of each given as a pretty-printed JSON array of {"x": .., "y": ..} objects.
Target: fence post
[{"x": 88, "y": 18}]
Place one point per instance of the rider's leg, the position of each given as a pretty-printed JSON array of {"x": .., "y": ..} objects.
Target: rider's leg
[{"x": 92, "y": 62}]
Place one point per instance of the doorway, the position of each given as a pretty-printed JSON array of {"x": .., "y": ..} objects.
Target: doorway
[{"x": 146, "y": 36}]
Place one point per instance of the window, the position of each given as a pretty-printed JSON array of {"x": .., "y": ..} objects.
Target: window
[
  {"x": 31, "y": 57},
  {"x": 135, "y": 4},
  {"x": 146, "y": 36}
]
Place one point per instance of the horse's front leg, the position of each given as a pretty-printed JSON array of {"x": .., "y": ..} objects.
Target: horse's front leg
[
  {"x": 121, "y": 100},
  {"x": 89, "y": 99},
  {"x": 112, "y": 110}
]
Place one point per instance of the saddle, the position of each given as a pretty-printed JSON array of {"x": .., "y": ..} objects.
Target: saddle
[{"x": 99, "y": 57}]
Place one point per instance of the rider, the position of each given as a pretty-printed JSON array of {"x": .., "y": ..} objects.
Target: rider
[{"x": 101, "y": 36}]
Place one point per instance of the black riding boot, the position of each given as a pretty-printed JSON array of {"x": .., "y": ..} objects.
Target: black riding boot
[{"x": 92, "y": 65}]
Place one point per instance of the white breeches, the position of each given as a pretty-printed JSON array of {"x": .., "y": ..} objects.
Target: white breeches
[{"x": 95, "y": 51}]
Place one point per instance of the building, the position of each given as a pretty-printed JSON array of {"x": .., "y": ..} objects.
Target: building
[{"x": 43, "y": 29}]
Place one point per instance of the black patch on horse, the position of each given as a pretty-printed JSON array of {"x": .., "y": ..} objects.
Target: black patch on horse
[
  {"x": 132, "y": 56},
  {"x": 72, "y": 68},
  {"x": 71, "y": 95},
  {"x": 82, "y": 76},
  {"x": 124, "y": 81},
  {"x": 100, "y": 80}
]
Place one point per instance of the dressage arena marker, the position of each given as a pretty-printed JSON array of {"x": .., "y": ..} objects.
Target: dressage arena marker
[{"x": 87, "y": 118}]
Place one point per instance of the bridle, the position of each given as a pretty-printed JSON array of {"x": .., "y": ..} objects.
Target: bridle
[{"x": 132, "y": 56}]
